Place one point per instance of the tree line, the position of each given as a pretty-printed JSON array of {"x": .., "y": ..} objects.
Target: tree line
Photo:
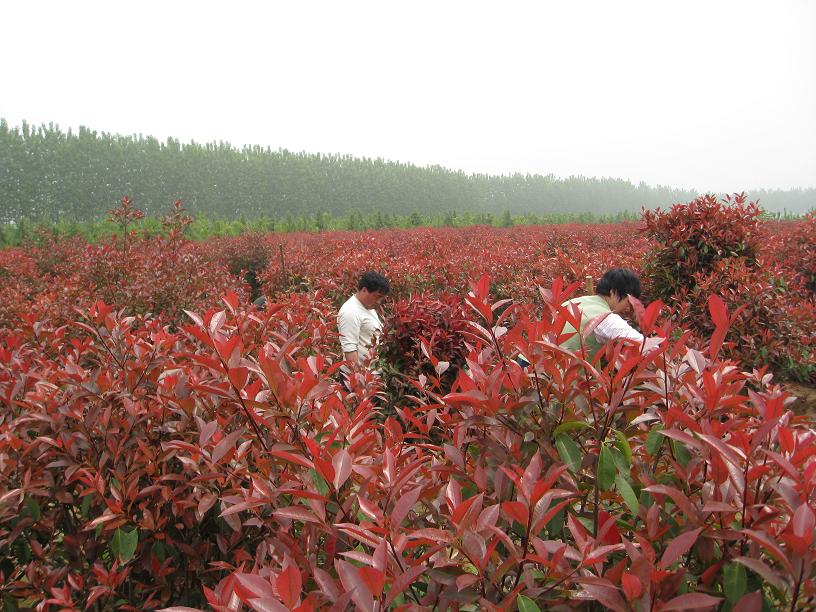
[
  {"x": 23, "y": 231},
  {"x": 47, "y": 174}
]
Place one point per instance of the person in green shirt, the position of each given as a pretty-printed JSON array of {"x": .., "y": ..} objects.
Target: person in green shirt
[{"x": 611, "y": 301}]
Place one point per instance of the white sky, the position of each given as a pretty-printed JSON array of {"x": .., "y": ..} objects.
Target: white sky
[{"x": 713, "y": 94}]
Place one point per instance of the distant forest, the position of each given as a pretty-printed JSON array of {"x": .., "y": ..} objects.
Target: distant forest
[{"x": 47, "y": 174}]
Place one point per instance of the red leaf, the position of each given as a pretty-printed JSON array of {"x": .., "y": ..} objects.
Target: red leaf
[
  {"x": 326, "y": 583},
  {"x": 460, "y": 510},
  {"x": 632, "y": 586},
  {"x": 771, "y": 546},
  {"x": 206, "y": 502},
  {"x": 248, "y": 586},
  {"x": 216, "y": 322},
  {"x": 267, "y": 604},
  {"x": 289, "y": 585},
  {"x": 342, "y": 467},
  {"x": 804, "y": 522},
  {"x": 678, "y": 497},
  {"x": 647, "y": 320},
  {"x": 593, "y": 323},
  {"x": 719, "y": 315},
  {"x": 516, "y": 511},
  {"x": 715, "y": 506},
  {"x": 225, "y": 445},
  {"x": 238, "y": 376},
  {"x": 691, "y": 601},
  {"x": 207, "y": 432},
  {"x": 403, "y": 581},
  {"x": 601, "y": 553},
  {"x": 353, "y": 582},
  {"x": 296, "y": 513},
  {"x": 718, "y": 310},
  {"x": 679, "y": 546},
  {"x": 761, "y": 568},
  {"x": 292, "y": 458},
  {"x": 373, "y": 578},
  {"x": 404, "y": 505},
  {"x": 231, "y": 300},
  {"x": 786, "y": 441},
  {"x": 197, "y": 320},
  {"x": 637, "y": 308},
  {"x": 240, "y": 507},
  {"x": 604, "y": 592},
  {"x": 435, "y": 535},
  {"x": 465, "y": 580},
  {"x": 752, "y": 602}
]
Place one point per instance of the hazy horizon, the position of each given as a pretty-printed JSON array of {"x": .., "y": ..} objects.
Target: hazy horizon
[
  {"x": 715, "y": 97},
  {"x": 74, "y": 130}
]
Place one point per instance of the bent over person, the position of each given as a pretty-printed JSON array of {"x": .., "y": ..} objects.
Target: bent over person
[
  {"x": 611, "y": 298},
  {"x": 357, "y": 320}
]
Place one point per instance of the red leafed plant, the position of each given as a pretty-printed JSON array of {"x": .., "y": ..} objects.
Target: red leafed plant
[
  {"x": 708, "y": 247},
  {"x": 143, "y": 468},
  {"x": 692, "y": 237},
  {"x": 795, "y": 252},
  {"x": 152, "y": 458},
  {"x": 424, "y": 336}
]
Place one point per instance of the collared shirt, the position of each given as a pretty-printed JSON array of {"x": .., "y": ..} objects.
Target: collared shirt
[
  {"x": 615, "y": 326},
  {"x": 358, "y": 327}
]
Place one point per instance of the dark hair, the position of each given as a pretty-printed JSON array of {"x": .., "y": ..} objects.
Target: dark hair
[
  {"x": 374, "y": 282},
  {"x": 622, "y": 280}
]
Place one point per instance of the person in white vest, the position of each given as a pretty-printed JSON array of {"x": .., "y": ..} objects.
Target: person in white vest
[
  {"x": 611, "y": 299},
  {"x": 358, "y": 322}
]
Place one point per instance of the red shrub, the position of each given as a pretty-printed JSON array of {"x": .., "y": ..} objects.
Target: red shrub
[
  {"x": 424, "y": 335},
  {"x": 796, "y": 254},
  {"x": 150, "y": 275},
  {"x": 246, "y": 256},
  {"x": 767, "y": 328},
  {"x": 708, "y": 247},
  {"x": 149, "y": 462},
  {"x": 692, "y": 237}
]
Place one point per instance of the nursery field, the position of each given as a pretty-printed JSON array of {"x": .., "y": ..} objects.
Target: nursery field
[{"x": 167, "y": 443}]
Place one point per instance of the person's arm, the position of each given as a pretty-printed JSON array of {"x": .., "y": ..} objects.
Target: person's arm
[{"x": 614, "y": 327}]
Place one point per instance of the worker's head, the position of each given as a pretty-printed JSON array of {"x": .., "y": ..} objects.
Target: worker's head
[
  {"x": 616, "y": 285},
  {"x": 372, "y": 289}
]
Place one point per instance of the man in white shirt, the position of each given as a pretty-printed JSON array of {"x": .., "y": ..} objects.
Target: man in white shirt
[{"x": 357, "y": 321}]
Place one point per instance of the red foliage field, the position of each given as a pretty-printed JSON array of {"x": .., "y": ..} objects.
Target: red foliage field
[{"x": 165, "y": 444}]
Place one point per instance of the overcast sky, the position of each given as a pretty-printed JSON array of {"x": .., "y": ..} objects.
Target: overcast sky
[{"x": 715, "y": 95}]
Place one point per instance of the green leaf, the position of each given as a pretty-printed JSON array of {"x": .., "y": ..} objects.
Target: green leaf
[
  {"x": 124, "y": 544},
  {"x": 654, "y": 440},
  {"x": 320, "y": 484},
  {"x": 85, "y": 508},
  {"x": 606, "y": 469},
  {"x": 556, "y": 525},
  {"x": 116, "y": 542},
  {"x": 681, "y": 453},
  {"x": 525, "y": 604},
  {"x": 620, "y": 461},
  {"x": 628, "y": 494},
  {"x": 623, "y": 445},
  {"x": 32, "y": 508},
  {"x": 569, "y": 452},
  {"x": 570, "y": 426},
  {"x": 159, "y": 551},
  {"x": 735, "y": 580}
]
